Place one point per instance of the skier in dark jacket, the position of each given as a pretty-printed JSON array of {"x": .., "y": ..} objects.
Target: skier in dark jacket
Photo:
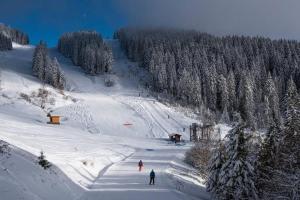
[
  {"x": 152, "y": 177},
  {"x": 140, "y": 165}
]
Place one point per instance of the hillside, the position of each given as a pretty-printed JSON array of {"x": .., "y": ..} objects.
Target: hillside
[{"x": 104, "y": 131}]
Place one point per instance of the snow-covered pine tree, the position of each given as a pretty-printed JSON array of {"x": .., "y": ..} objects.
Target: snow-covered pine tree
[
  {"x": 231, "y": 84},
  {"x": 57, "y": 75},
  {"x": 61, "y": 80},
  {"x": 49, "y": 70},
  {"x": 86, "y": 49},
  {"x": 35, "y": 61},
  {"x": 236, "y": 178},
  {"x": 43, "y": 162},
  {"x": 55, "y": 72},
  {"x": 267, "y": 162},
  {"x": 222, "y": 99},
  {"x": 291, "y": 100},
  {"x": 196, "y": 97},
  {"x": 41, "y": 68},
  {"x": 216, "y": 162},
  {"x": 208, "y": 57},
  {"x": 14, "y": 34},
  {"x": 46, "y": 69},
  {"x": 247, "y": 105},
  {"x": 89, "y": 60},
  {"x": 288, "y": 174},
  {"x": 271, "y": 94},
  {"x": 172, "y": 74},
  {"x": 107, "y": 60},
  {"x": 38, "y": 61},
  {"x": 184, "y": 85},
  {"x": 5, "y": 42}
]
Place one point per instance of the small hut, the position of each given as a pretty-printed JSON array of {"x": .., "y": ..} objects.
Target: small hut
[
  {"x": 175, "y": 137},
  {"x": 54, "y": 119}
]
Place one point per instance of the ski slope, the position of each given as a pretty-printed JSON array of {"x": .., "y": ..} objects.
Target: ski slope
[
  {"x": 103, "y": 134},
  {"x": 21, "y": 178}
]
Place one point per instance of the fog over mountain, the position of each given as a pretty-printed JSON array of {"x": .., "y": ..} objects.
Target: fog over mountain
[{"x": 270, "y": 18}]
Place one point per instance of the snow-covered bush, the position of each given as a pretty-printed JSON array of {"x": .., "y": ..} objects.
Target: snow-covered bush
[
  {"x": 43, "y": 162},
  {"x": 199, "y": 156},
  {"x": 109, "y": 81},
  {"x": 26, "y": 97},
  {"x": 4, "y": 148}
]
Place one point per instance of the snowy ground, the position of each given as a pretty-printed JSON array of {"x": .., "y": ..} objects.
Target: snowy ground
[{"x": 103, "y": 134}]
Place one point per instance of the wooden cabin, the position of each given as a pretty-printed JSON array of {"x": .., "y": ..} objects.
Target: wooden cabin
[
  {"x": 201, "y": 132},
  {"x": 54, "y": 119},
  {"x": 175, "y": 137}
]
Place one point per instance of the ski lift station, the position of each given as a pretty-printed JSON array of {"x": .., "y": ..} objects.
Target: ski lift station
[{"x": 201, "y": 132}]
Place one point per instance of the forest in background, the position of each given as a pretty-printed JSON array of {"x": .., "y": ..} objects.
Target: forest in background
[
  {"x": 14, "y": 34},
  {"x": 88, "y": 50},
  {"x": 222, "y": 77}
]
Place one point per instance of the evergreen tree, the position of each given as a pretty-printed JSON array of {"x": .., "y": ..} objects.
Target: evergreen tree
[
  {"x": 222, "y": 99},
  {"x": 45, "y": 69},
  {"x": 267, "y": 162},
  {"x": 247, "y": 103},
  {"x": 215, "y": 165},
  {"x": 13, "y": 35},
  {"x": 231, "y": 87},
  {"x": 43, "y": 162},
  {"x": 48, "y": 71},
  {"x": 291, "y": 100},
  {"x": 255, "y": 70},
  {"x": 272, "y": 99},
  {"x": 290, "y": 146},
  {"x": 5, "y": 42},
  {"x": 237, "y": 173},
  {"x": 86, "y": 49}
]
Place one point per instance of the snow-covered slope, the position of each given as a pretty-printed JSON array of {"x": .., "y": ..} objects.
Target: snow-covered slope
[
  {"x": 104, "y": 131},
  {"x": 22, "y": 178}
]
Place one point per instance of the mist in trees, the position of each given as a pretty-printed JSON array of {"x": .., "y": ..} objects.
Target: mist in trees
[
  {"x": 46, "y": 69},
  {"x": 86, "y": 49},
  {"x": 224, "y": 75},
  {"x": 14, "y": 34}
]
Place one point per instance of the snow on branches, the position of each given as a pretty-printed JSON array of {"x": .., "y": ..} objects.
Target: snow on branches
[
  {"x": 46, "y": 69},
  {"x": 223, "y": 74},
  {"x": 86, "y": 49}
]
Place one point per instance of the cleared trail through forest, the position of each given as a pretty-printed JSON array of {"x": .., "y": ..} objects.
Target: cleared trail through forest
[
  {"x": 104, "y": 131},
  {"x": 123, "y": 180}
]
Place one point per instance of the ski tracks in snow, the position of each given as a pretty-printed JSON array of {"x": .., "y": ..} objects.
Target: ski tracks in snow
[
  {"x": 122, "y": 180},
  {"x": 80, "y": 115},
  {"x": 153, "y": 114}
]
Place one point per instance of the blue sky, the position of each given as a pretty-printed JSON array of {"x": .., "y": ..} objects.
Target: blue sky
[{"x": 48, "y": 19}]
